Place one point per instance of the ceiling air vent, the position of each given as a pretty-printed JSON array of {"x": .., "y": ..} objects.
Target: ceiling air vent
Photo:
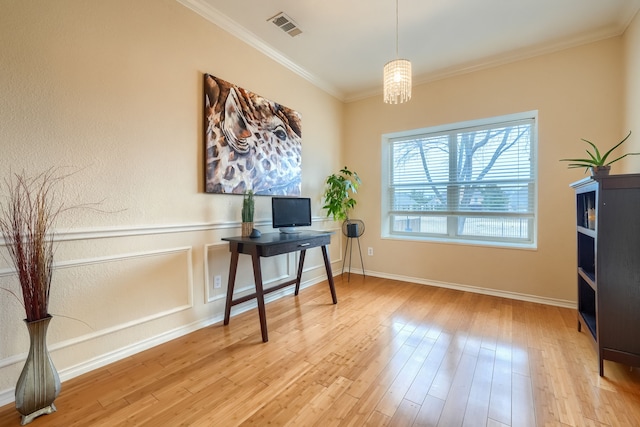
[{"x": 286, "y": 24}]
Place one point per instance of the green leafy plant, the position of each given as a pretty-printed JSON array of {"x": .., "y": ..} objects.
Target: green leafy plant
[
  {"x": 596, "y": 159},
  {"x": 338, "y": 193},
  {"x": 248, "y": 207}
]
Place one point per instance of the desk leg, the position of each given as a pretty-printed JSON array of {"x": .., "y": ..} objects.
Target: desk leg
[
  {"x": 327, "y": 266},
  {"x": 257, "y": 276},
  {"x": 233, "y": 267},
  {"x": 300, "y": 264}
]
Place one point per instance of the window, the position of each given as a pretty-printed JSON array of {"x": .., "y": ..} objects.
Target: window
[{"x": 471, "y": 182}]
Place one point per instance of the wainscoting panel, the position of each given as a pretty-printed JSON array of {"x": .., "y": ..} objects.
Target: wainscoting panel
[
  {"x": 216, "y": 263},
  {"x": 274, "y": 270},
  {"x": 116, "y": 292}
]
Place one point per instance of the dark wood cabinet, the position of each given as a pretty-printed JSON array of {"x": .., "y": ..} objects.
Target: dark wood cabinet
[{"x": 608, "y": 237}]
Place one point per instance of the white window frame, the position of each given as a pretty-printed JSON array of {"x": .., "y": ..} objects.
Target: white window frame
[{"x": 451, "y": 236}]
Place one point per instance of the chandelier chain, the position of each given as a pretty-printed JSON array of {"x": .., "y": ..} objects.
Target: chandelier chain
[{"x": 397, "y": 55}]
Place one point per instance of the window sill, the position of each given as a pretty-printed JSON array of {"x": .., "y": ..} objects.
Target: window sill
[{"x": 463, "y": 242}]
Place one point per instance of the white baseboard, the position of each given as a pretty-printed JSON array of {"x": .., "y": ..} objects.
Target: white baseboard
[{"x": 475, "y": 289}]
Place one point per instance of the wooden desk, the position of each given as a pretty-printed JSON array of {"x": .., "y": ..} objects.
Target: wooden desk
[{"x": 267, "y": 245}]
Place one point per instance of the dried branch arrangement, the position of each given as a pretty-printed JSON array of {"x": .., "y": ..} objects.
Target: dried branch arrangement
[{"x": 26, "y": 223}]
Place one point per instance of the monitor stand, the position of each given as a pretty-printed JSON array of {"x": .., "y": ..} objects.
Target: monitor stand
[{"x": 289, "y": 230}]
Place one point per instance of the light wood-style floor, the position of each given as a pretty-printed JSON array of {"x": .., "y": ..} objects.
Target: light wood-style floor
[{"x": 389, "y": 353}]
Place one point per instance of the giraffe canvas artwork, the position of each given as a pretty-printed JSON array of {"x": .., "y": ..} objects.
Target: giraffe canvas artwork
[{"x": 251, "y": 143}]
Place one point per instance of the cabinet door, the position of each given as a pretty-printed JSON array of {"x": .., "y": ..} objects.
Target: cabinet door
[{"x": 618, "y": 269}]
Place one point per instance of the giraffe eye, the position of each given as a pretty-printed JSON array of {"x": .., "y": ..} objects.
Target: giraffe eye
[{"x": 280, "y": 133}]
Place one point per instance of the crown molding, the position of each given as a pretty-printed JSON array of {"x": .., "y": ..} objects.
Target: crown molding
[{"x": 216, "y": 17}]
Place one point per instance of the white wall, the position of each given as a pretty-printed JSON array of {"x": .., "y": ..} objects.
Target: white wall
[{"x": 114, "y": 91}]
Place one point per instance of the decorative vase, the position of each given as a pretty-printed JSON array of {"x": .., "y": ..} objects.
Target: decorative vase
[
  {"x": 247, "y": 228},
  {"x": 39, "y": 383}
]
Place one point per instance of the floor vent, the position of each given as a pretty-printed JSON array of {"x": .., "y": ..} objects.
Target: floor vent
[{"x": 286, "y": 24}]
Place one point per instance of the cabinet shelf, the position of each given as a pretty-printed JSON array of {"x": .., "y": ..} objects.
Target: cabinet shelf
[
  {"x": 590, "y": 321},
  {"x": 588, "y": 276},
  {"x": 587, "y": 231}
]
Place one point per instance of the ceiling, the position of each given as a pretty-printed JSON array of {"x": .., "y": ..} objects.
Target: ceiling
[{"x": 344, "y": 44}]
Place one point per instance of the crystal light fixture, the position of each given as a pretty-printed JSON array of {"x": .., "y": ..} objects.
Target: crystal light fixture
[{"x": 397, "y": 76}]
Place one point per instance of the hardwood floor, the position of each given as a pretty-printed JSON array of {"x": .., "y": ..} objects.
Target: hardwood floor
[{"x": 389, "y": 353}]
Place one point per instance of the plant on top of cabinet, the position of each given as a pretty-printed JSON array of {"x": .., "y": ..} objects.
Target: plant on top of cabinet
[{"x": 599, "y": 164}]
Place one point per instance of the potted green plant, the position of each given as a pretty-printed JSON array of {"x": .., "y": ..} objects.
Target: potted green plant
[
  {"x": 338, "y": 195},
  {"x": 26, "y": 223},
  {"x": 248, "y": 207},
  {"x": 599, "y": 164}
]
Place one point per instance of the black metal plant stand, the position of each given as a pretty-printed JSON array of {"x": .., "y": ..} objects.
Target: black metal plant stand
[{"x": 353, "y": 229}]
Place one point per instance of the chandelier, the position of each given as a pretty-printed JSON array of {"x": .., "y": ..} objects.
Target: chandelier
[{"x": 397, "y": 76}]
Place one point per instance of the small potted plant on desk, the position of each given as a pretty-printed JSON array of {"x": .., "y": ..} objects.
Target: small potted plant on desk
[
  {"x": 248, "y": 207},
  {"x": 598, "y": 164}
]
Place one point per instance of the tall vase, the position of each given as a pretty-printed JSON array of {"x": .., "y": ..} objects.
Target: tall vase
[
  {"x": 247, "y": 228},
  {"x": 39, "y": 383}
]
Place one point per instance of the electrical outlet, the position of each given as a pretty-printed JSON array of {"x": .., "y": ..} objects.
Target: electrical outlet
[
  {"x": 217, "y": 282},
  {"x": 370, "y": 251}
]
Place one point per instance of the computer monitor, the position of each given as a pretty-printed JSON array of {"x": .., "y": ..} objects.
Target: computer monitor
[{"x": 287, "y": 213}]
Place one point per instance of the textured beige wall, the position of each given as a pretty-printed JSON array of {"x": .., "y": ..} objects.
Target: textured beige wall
[
  {"x": 577, "y": 93},
  {"x": 114, "y": 89},
  {"x": 631, "y": 97}
]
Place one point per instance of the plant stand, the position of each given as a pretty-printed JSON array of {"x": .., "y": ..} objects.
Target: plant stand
[{"x": 353, "y": 229}]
